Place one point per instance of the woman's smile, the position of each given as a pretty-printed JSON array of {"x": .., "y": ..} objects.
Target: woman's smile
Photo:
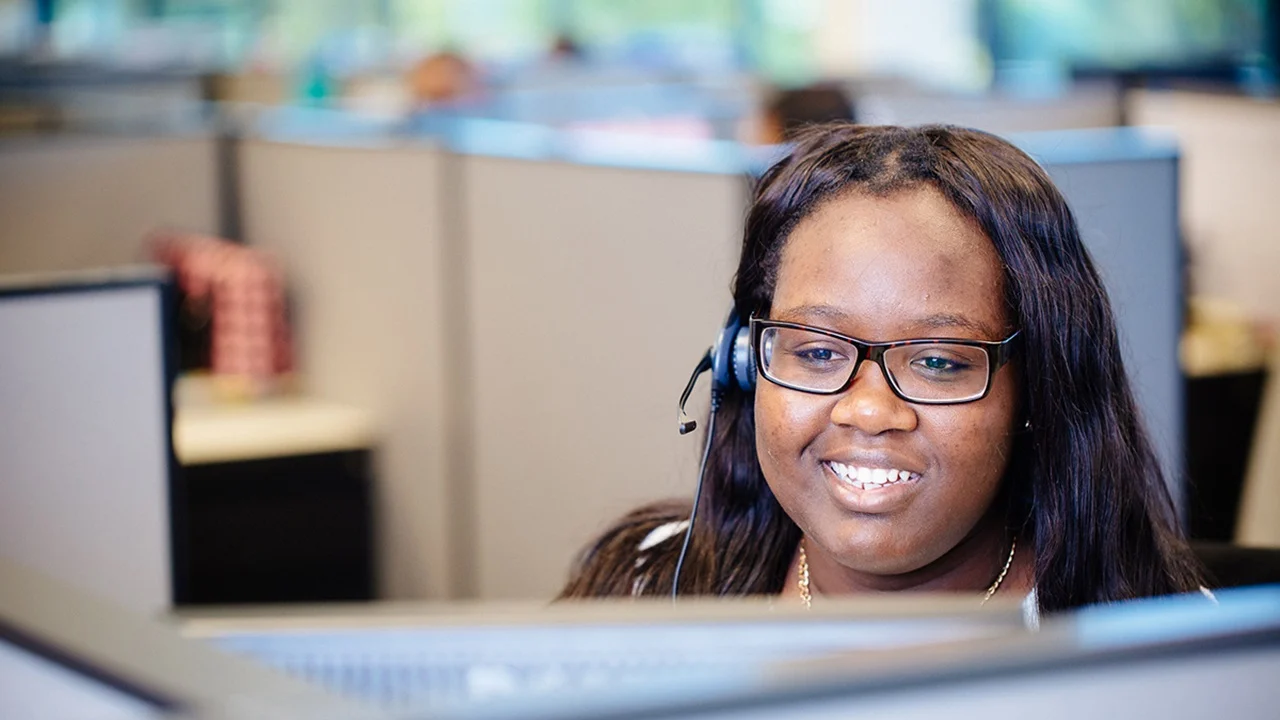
[
  {"x": 881, "y": 492},
  {"x": 863, "y": 477}
]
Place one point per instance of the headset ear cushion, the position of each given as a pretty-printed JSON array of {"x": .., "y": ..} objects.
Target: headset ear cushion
[
  {"x": 722, "y": 355},
  {"x": 744, "y": 361}
]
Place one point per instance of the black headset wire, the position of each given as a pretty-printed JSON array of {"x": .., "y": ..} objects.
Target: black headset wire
[{"x": 716, "y": 395}]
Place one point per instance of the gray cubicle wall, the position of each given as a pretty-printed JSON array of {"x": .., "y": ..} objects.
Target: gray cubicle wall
[
  {"x": 73, "y": 202},
  {"x": 1122, "y": 185},
  {"x": 358, "y": 229}
]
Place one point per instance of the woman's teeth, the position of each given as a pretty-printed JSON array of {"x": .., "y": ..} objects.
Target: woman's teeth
[{"x": 868, "y": 478}]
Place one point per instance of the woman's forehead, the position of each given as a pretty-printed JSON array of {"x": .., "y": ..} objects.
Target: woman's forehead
[{"x": 903, "y": 260}]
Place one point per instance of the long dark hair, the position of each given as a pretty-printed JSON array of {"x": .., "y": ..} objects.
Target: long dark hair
[{"x": 1084, "y": 486}]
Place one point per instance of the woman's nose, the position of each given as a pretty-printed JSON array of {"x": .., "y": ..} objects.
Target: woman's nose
[{"x": 870, "y": 405}]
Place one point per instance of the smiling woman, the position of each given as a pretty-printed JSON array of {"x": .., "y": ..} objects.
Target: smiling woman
[{"x": 940, "y": 402}]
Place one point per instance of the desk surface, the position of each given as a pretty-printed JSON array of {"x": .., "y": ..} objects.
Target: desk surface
[{"x": 273, "y": 427}]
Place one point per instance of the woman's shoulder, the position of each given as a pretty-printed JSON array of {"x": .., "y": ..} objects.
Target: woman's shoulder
[{"x": 633, "y": 556}]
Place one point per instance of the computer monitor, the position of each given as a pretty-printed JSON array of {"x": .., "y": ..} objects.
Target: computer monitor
[
  {"x": 33, "y": 684},
  {"x": 85, "y": 445},
  {"x": 66, "y": 654},
  {"x": 1170, "y": 658},
  {"x": 901, "y": 657},
  {"x": 411, "y": 659}
]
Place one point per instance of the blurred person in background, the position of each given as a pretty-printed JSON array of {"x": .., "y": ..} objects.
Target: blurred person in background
[
  {"x": 791, "y": 110},
  {"x": 565, "y": 49},
  {"x": 443, "y": 88},
  {"x": 938, "y": 401},
  {"x": 442, "y": 79}
]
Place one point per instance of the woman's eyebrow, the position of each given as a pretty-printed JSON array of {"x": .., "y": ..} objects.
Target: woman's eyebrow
[
  {"x": 936, "y": 321},
  {"x": 808, "y": 312},
  {"x": 954, "y": 320}
]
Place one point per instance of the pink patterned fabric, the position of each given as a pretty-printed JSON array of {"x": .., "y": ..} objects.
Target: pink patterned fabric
[{"x": 245, "y": 290}]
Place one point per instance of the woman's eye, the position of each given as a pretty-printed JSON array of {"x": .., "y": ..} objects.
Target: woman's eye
[
  {"x": 940, "y": 365},
  {"x": 817, "y": 355}
]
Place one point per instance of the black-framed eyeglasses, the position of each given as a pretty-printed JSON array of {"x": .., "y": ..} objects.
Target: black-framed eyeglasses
[{"x": 929, "y": 371}]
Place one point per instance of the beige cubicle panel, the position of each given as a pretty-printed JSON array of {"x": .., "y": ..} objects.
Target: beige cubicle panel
[
  {"x": 1230, "y": 173},
  {"x": 1258, "y": 521},
  {"x": 592, "y": 292},
  {"x": 70, "y": 202},
  {"x": 358, "y": 231}
]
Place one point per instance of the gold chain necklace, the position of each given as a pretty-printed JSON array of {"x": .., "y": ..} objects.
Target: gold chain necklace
[{"x": 807, "y": 598}]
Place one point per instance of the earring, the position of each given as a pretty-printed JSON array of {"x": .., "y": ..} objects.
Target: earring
[{"x": 1027, "y": 425}]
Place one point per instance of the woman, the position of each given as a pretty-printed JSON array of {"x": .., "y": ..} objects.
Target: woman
[{"x": 1008, "y": 458}]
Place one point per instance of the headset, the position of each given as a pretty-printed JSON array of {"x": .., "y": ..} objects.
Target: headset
[{"x": 732, "y": 364}]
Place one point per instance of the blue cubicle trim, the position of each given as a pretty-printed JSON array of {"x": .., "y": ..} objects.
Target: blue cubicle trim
[
  {"x": 1091, "y": 145},
  {"x": 509, "y": 139},
  {"x": 501, "y": 138},
  {"x": 531, "y": 141},
  {"x": 1056, "y": 147},
  {"x": 653, "y": 153},
  {"x": 327, "y": 127}
]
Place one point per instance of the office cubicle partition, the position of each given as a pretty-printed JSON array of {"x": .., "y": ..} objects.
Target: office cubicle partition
[
  {"x": 74, "y": 202},
  {"x": 358, "y": 230},
  {"x": 593, "y": 291},
  {"x": 86, "y": 367},
  {"x": 1230, "y": 150}
]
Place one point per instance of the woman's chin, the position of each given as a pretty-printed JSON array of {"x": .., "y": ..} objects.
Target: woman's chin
[{"x": 878, "y": 559}]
